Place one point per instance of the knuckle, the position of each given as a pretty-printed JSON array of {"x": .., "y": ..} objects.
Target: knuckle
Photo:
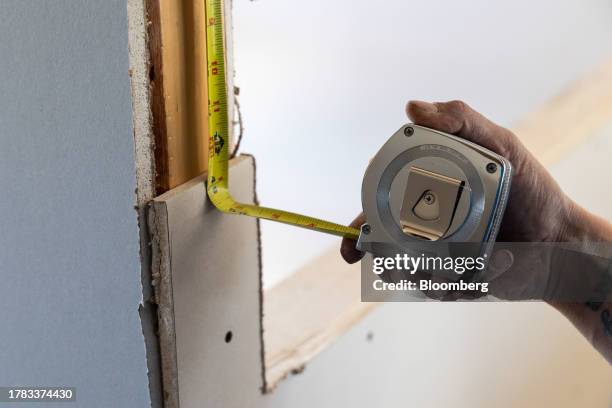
[
  {"x": 510, "y": 142},
  {"x": 458, "y": 106}
]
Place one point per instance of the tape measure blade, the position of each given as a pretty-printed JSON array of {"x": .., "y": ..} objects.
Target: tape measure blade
[{"x": 218, "y": 142}]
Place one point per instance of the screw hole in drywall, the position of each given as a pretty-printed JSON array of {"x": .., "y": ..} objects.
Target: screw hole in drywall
[
  {"x": 228, "y": 336},
  {"x": 370, "y": 336}
]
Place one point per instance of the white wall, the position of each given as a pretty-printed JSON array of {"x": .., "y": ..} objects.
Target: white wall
[
  {"x": 466, "y": 355},
  {"x": 440, "y": 355},
  {"x": 324, "y": 83}
]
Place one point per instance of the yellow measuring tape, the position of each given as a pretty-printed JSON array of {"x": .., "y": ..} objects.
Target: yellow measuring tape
[{"x": 218, "y": 141}]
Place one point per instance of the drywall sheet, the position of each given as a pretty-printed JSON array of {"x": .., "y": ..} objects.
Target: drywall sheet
[
  {"x": 207, "y": 274},
  {"x": 70, "y": 273}
]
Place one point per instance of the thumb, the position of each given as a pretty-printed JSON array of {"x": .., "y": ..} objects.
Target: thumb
[{"x": 457, "y": 118}]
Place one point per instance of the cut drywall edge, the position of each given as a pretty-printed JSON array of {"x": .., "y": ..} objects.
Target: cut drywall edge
[
  {"x": 145, "y": 183},
  {"x": 141, "y": 102},
  {"x": 160, "y": 272}
]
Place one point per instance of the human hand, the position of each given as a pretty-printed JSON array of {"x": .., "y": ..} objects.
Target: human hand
[{"x": 537, "y": 209}]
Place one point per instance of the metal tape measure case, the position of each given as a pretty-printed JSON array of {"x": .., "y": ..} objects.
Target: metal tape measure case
[{"x": 427, "y": 186}]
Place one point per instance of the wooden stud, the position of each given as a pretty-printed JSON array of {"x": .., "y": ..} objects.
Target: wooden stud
[{"x": 177, "y": 47}]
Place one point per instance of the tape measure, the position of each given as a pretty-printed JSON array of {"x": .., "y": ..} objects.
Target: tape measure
[
  {"x": 218, "y": 141},
  {"x": 426, "y": 191}
]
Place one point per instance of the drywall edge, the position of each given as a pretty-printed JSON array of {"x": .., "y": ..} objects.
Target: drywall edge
[
  {"x": 141, "y": 101},
  {"x": 145, "y": 186},
  {"x": 162, "y": 282}
]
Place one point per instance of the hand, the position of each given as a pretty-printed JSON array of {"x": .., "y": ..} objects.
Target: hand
[{"x": 537, "y": 210}]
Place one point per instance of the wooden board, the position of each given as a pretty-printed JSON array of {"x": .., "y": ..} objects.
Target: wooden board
[
  {"x": 565, "y": 122},
  {"x": 207, "y": 279},
  {"x": 306, "y": 312},
  {"x": 179, "y": 101}
]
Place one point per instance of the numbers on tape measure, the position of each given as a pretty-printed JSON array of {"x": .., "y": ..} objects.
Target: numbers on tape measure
[{"x": 218, "y": 127}]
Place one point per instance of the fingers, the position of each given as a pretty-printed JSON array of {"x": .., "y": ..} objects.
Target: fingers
[
  {"x": 347, "y": 249},
  {"x": 459, "y": 119}
]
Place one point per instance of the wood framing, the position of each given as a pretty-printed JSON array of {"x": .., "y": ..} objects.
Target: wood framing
[
  {"x": 179, "y": 101},
  {"x": 309, "y": 310}
]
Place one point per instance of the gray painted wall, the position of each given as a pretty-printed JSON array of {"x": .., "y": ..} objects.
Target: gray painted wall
[{"x": 69, "y": 262}]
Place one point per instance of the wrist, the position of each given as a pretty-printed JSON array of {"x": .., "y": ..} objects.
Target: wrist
[
  {"x": 578, "y": 225},
  {"x": 580, "y": 268}
]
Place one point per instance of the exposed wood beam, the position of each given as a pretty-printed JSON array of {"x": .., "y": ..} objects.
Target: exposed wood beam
[
  {"x": 309, "y": 310},
  {"x": 565, "y": 122},
  {"x": 177, "y": 46}
]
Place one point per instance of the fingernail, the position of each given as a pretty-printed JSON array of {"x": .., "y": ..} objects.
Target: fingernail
[{"x": 424, "y": 106}]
